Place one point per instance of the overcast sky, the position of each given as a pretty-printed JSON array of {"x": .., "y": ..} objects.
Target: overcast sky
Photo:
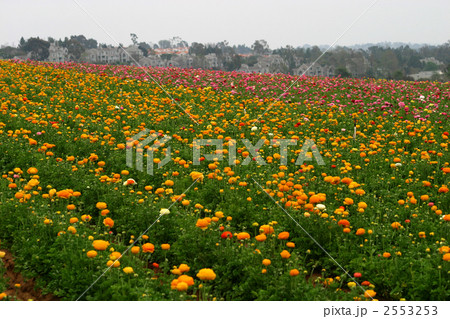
[{"x": 280, "y": 22}]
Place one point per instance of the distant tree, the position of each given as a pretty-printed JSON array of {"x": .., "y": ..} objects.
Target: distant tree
[
  {"x": 260, "y": 47},
  {"x": 50, "y": 40},
  {"x": 10, "y": 52},
  {"x": 398, "y": 75},
  {"x": 144, "y": 50},
  {"x": 233, "y": 64},
  {"x": 242, "y": 49},
  {"x": 164, "y": 44},
  {"x": 91, "y": 44},
  {"x": 342, "y": 71},
  {"x": 251, "y": 60},
  {"x": 166, "y": 56},
  {"x": 75, "y": 49},
  {"x": 430, "y": 66},
  {"x": 134, "y": 38},
  {"x": 197, "y": 49},
  {"x": 38, "y": 48},
  {"x": 22, "y": 43}
]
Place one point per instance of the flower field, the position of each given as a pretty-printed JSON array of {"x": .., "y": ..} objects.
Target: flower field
[{"x": 371, "y": 223}]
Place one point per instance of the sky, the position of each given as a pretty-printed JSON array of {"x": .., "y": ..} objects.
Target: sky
[{"x": 279, "y": 22}]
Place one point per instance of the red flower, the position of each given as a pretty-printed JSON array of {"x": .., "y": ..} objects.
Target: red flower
[
  {"x": 357, "y": 275},
  {"x": 226, "y": 234}
]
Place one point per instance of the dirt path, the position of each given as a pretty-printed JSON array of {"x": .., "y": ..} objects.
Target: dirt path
[{"x": 27, "y": 290}]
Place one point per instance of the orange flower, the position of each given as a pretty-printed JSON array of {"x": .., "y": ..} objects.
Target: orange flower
[
  {"x": 446, "y": 257},
  {"x": 243, "y": 235},
  {"x": 32, "y": 171},
  {"x": 261, "y": 237},
  {"x": 115, "y": 255},
  {"x": 283, "y": 235},
  {"x": 148, "y": 248},
  {"x": 187, "y": 279},
  {"x": 63, "y": 194},
  {"x": 101, "y": 205},
  {"x": 91, "y": 253},
  {"x": 108, "y": 222},
  {"x": 386, "y": 255},
  {"x": 369, "y": 293},
  {"x": 86, "y": 218},
  {"x": 344, "y": 223},
  {"x": 294, "y": 272},
  {"x": 135, "y": 250},
  {"x": 285, "y": 254},
  {"x": 165, "y": 246},
  {"x": 314, "y": 199},
  {"x": 100, "y": 244},
  {"x": 348, "y": 201},
  {"x": 266, "y": 229},
  {"x": 360, "y": 231},
  {"x": 184, "y": 268},
  {"x": 202, "y": 223},
  {"x": 443, "y": 189},
  {"x": 396, "y": 225},
  {"x": 266, "y": 262}
]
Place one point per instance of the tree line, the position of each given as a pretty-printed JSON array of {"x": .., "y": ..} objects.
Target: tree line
[{"x": 374, "y": 61}]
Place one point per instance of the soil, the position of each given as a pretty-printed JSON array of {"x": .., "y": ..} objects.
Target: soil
[{"x": 27, "y": 289}]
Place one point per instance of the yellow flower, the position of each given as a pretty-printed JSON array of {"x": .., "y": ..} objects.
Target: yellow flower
[
  {"x": 184, "y": 268},
  {"x": 187, "y": 279},
  {"x": 128, "y": 270},
  {"x": 206, "y": 274},
  {"x": 135, "y": 250},
  {"x": 182, "y": 286}
]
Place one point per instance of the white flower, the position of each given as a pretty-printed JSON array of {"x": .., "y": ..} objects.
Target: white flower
[
  {"x": 117, "y": 107},
  {"x": 320, "y": 206},
  {"x": 164, "y": 211},
  {"x": 398, "y": 164},
  {"x": 129, "y": 181},
  {"x": 254, "y": 128},
  {"x": 422, "y": 97}
]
